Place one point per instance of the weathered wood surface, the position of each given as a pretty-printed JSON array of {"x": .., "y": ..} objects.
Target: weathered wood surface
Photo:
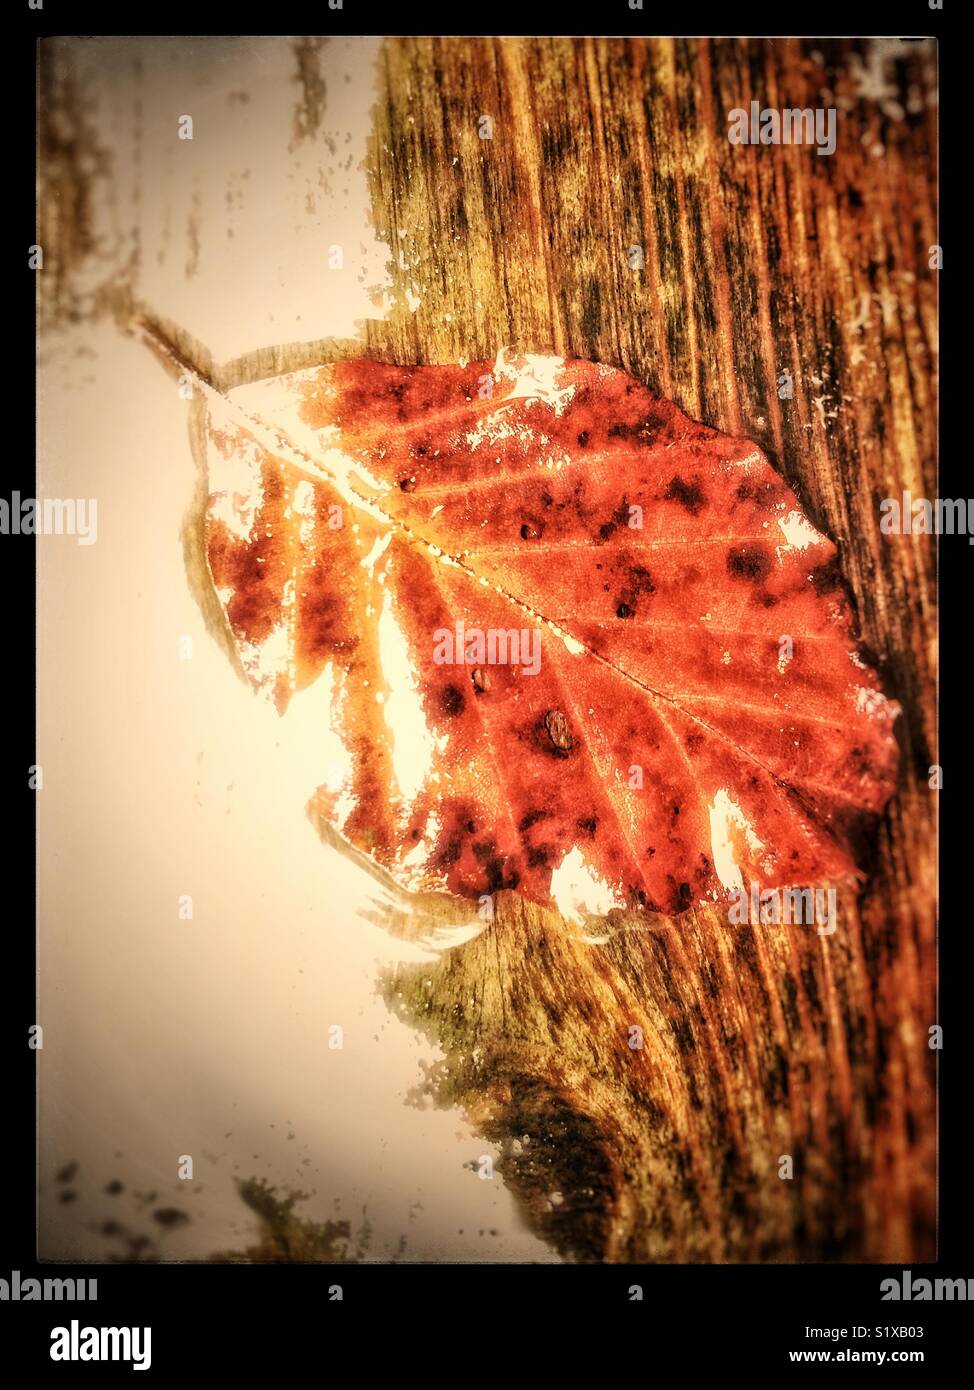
[{"x": 759, "y": 1041}]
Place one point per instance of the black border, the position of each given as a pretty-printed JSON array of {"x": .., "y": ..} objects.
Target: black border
[{"x": 267, "y": 1320}]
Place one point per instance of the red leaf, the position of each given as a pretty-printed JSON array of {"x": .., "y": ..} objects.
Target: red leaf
[{"x": 701, "y": 717}]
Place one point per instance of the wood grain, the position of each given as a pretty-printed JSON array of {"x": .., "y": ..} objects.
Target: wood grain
[{"x": 760, "y": 1041}]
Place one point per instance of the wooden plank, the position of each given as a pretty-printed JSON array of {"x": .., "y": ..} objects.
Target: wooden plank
[{"x": 758, "y": 261}]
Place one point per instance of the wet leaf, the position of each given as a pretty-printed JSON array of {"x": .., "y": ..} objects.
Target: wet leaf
[{"x": 563, "y": 630}]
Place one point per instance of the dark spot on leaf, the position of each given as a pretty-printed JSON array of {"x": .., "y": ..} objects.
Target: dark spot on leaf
[
  {"x": 500, "y": 876},
  {"x": 452, "y": 700},
  {"x": 763, "y": 495},
  {"x": 639, "y": 581},
  {"x": 750, "y": 562},
  {"x": 825, "y": 578},
  {"x": 688, "y": 495}
]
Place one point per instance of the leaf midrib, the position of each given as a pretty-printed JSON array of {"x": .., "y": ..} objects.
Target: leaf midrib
[{"x": 299, "y": 459}]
